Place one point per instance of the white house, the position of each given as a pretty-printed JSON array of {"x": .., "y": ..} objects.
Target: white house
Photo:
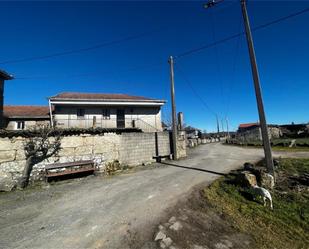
[{"x": 85, "y": 110}]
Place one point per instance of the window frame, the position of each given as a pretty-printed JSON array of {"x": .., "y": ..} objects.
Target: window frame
[
  {"x": 80, "y": 113},
  {"x": 20, "y": 125},
  {"x": 58, "y": 108},
  {"x": 106, "y": 114}
]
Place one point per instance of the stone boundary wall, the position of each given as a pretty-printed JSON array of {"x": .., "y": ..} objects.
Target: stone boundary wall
[
  {"x": 193, "y": 142},
  {"x": 132, "y": 149}
]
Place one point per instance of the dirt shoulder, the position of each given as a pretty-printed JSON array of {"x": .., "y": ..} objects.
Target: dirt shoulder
[
  {"x": 111, "y": 212},
  {"x": 224, "y": 215}
]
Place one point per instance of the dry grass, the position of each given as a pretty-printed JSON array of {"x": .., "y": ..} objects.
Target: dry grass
[{"x": 287, "y": 226}]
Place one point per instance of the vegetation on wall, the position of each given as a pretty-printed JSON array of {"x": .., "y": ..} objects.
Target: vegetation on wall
[
  {"x": 66, "y": 132},
  {"x": 45, "y": 143}
]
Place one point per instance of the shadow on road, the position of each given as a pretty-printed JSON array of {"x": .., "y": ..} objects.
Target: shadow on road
[{"x": 193, "y": 168}]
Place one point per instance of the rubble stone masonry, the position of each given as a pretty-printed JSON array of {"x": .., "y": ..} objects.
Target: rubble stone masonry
[{"x": 128, "y": 148}]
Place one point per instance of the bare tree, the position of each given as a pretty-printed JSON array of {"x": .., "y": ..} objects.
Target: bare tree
[{"x": 44, "y": 143}]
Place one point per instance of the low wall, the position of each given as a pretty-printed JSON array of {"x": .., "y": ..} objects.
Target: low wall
[
  {"x": 133, "y": 148},
  {"x": 193, "y": 142}
]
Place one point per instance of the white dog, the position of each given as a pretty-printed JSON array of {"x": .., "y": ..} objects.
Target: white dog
[{"x": 264, "y": 194}]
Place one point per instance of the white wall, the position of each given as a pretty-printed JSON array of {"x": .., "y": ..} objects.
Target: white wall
[
  {"x": 147, "y": 118},
  {"x": 12, "y": 124}
]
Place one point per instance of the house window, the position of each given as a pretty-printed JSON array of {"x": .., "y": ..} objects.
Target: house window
[
  {"x": 106, "y": 113},
  {"x": 58, "y": 108},
  {"x": 80, "y": 113},
  {"x": 20, "y": 125}
]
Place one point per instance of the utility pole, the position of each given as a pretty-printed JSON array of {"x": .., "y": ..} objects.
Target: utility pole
[
  {"x": 258, "y": 93},
  {"x": 218, "y": 127},
  {"x": 222, "y": 126},
  {"x": 257, "y": 87},
  {"x": 174, "y": 125},
  {"x": 227, "y": 127}
]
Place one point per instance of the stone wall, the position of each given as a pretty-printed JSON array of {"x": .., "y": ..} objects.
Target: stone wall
[
  {"x": 256, "y": 135},
  {"x": 128, "y": 148}
]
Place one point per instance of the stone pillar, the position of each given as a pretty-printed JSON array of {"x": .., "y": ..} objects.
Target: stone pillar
[
  {"x": 94, "y": 122},
  {"x": 181, "y": 145},
  {"x": 180, "y": 121}
]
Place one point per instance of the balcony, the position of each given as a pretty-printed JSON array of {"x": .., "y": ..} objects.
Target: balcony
[{"x": 107, "y": 123}]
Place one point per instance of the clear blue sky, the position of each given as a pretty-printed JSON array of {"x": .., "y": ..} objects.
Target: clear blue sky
[{"x": 220, "y": 75}]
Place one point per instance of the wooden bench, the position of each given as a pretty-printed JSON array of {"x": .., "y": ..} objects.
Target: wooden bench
[{"x": 69, "y": 168}]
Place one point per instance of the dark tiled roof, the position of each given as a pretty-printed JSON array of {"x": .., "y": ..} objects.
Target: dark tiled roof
[
  {"x": 26, "y": 111},
  {"x": 99, "y": 96},
  {"x": 5, "y": 75}
]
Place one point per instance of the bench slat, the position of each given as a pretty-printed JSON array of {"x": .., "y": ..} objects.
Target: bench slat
[
  {"x": 68, "y": 172},
  {"x": 70, "y": 164}
]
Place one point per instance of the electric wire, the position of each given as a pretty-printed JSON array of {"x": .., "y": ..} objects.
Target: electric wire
[
  {"x": 183, "y": 54},
  {"x": 226, "y": 39},
  {"x": 217, "y": 59},
  {"x": 187, "y": 81},
  {"x": 232, "y": 81},
  {"x": 80, "y": 50}
]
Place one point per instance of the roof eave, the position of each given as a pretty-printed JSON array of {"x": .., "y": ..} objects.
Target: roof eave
[
  {"x": 28, "y": 117},
  {"x": 108, "y": 100}
]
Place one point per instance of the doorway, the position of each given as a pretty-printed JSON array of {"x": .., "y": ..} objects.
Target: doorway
[{"x": 120, "y": 118}]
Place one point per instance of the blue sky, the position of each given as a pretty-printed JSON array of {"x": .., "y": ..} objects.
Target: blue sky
[{"x": 220, "y": 75}]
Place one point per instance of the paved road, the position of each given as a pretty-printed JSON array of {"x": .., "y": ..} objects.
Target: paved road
[{"x": 100, "y": 212}]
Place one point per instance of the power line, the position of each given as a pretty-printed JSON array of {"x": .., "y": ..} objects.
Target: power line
[
  {"x": 47, "y": 77},
  {"x": 81, "y": 50},
  {"x": 217, "y": 60},
  {"x": 194, "y": 91},
  {"x": 191, "y": 51},
  {"x": 235, "y": 59},
  {"x": 198, "y": 49}
]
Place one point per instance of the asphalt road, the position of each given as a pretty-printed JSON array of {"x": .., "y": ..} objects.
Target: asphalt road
[{"x": 102, "y": 212}]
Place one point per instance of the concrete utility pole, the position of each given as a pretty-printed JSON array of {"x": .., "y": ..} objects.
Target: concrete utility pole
[
  {"x": 227, "y": 127},
  {"x": 258, "y": 92},
  {"x": 174, "y": 125},
  {"x": 222, "y": 126},
  {"x": 257, "y": 87},
  {"x": 218, "y": 127}
]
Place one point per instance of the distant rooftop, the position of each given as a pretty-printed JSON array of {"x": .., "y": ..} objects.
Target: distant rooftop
[
  {"x": 247, "y": 125},
  {"x": 22, "y": 111},
  {"x": 5, "y": 75},
  {"x": 101, "y": 97},
  {"x": 251, "y": 125}
]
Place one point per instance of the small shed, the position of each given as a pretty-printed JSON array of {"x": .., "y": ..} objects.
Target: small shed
[{"x": 20, "y": 117}]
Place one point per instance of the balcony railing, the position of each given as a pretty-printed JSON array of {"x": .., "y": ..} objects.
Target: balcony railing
[{"x": 107, "y": 123}]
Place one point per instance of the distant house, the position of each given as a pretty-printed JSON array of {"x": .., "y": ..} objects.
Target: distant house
[
  {"x": 252, "y": 132},
  {"x": 85, "y": 110},
  {"x": 3, "y": 76},
  {"x": 295, "y": 130},
  {"x": 24, "y": 117},
  {"x": 192, "y": 132}
]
